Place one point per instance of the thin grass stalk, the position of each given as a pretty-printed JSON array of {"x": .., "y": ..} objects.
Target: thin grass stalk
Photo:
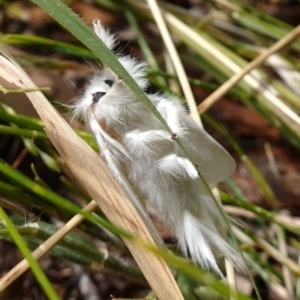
[
  {"x": 23, "y": 266},
  {"x": 287, "y": 274},
  {"x": 35, "y": 267},
  {"x": 57, "y": 46},
  {"x": 225, "y": 87},
  {"x": 189, "y": 97},
  {"x": 174, "y": 86},
  {"x": 268, "y": 248},
  {"x": 286, "y": 222},
  {"x": 298, "y": 282}
]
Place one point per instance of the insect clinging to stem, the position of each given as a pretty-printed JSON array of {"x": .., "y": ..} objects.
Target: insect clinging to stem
[{"x": 146, "y": 160}]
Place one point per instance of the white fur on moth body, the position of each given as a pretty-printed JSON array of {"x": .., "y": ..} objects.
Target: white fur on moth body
[{"x": 146, "y": 160}]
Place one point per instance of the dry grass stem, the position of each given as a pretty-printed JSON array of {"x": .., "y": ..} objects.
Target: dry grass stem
[
  {"x": 186, "y": 88},
  {"x": 271, "y": 159},
  {"x": 238, "y": 211},
  {"x": 287, "y": 275},
  {"x": 225, "y": 87},
  {"x": 6, "y": 203},
  {"x": 231, "y": 279},
  {"x": 272, "y": 251},
  {"x": 173, "y": 83}
]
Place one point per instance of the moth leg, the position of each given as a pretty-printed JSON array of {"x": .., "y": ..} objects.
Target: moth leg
[
  {"x": 176, "y": 166},
  {"x": 172, "y": 111},
  {"x": 147, "y": 142}
]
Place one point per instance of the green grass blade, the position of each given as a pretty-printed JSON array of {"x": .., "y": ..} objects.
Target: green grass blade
[
  {"x": 56, "y": 46},
  {"x": 35, "y": 267}
]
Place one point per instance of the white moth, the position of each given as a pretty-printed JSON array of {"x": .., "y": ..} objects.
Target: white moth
[{"x": 146, "y": 160}]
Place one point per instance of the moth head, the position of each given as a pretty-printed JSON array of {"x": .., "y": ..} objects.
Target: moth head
[
  {"x": 95, "y": 91},
  {"x": 106, "y": 95},
  {"x": 108, "y": 98},
  {"x": 99, "y": 87}
]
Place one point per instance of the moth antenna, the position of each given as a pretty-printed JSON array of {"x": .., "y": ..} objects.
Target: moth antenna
[
  {"x": 104, "y": 34},
  {"x": 136, "y": 69}
]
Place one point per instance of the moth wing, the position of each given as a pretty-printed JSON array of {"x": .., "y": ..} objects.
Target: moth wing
[{"x": 213, "y": 161}]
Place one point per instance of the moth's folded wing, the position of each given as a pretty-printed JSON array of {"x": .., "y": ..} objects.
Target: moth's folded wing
[{"x": 213, "y": 161}]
